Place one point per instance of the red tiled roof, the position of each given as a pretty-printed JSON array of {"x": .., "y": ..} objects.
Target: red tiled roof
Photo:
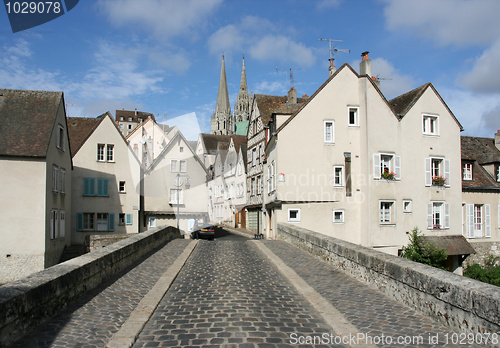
[
  {"x": 79, "y": 130},
  {"x": 31, "y": 119}
]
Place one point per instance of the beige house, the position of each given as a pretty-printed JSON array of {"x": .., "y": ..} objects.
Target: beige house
[
  {"x": 105, "y": 194},
  {"x": 352, "y": 165},
  {"x": 175, "y": 187},
  {"x": 35, "y": 166},
  {"x": 235, "y": 181},
  {"x": 128, "y": 120},
  {"x": 481, "y": 195},
  {"x": 263, "y": 107}
]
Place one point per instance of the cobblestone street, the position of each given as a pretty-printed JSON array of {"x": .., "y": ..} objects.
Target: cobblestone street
[{"x": 232, "y": 292}]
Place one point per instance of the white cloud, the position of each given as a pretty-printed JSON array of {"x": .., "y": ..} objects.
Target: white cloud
[
  {"x": 324, "y": 4},
  {"x": 458, "y": 22},
  {"x": 271, "y": 87},
  {"x": 484, "y": 74},
  {"x": 265, "y": 42},
  {"x": 165, "y": 18}
]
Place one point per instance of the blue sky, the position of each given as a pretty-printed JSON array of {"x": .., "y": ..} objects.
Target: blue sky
[{"x": 164, "y": 56}]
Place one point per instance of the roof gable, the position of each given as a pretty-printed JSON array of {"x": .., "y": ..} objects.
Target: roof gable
[
  {"x": 80, "y": 129},
  {"x": 32, "y": 116}
]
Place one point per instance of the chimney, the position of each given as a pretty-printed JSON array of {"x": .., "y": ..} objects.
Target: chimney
[
  {"x": 365, "y": 67},
  {"x": 292, "y": 96},
  {"x": 497, "y": 139},
  {"x": 332, "y": 68}
]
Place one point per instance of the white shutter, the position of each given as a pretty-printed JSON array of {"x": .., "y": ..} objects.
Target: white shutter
[
  {"x": 469, "y": 220},
  {"x": 487, "y": 220},
  {"x": 397, "y": 167},
  {"x": 498, "y": 216},
  {"x": 428, "y": 176},
  {"x": 376, "y": 166},
  {"x": 429, "y": 216},
  {"x": 447, "y": 171},
  {"x": 446, "y": 215}
]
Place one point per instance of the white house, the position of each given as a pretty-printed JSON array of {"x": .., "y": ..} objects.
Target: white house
[
  {"x": 352, "y": 165},
  {"x": 35, "y": 167},
  {"x": 105, "y": 199}
]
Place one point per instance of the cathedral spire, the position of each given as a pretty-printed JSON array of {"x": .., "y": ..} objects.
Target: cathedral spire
[
  {"x": 242, "y": 106},
  {"x": 222, "y": 120},
  {"x": 243, "y": 84},
  {"x": 223, "y": 105}
]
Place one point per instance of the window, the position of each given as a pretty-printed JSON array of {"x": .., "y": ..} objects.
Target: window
[
  {"x": 430, "y": 125},
  {"x": 253, "y": 187},
  {"x": 55, "y": 176},
  {"x": 386, "y": 166},
  {"x": 181, "y": 149},
  {"x": 121, "y": 219},
  {"x": 467, "y": 174},
  {"x": 259, "y": 185},
  {"x": 121, "y": 126},
  {"x": 254, "y": 156},
  {"x": 129, "y": 127},
  {"x": 329, "y": 135},
  {"x": 176, "y": 196},
  {"x": 53, "y": 224},
  {"x": 182, "y": 166},
  {"x": 60, "y": 137},
  {"x": 386, "y": 213},
  {"x": 478, "y": 220},
  {"x": 62, "y": 184},
  {"x": 407, "y": 206},
  {"x": 110, "y": 153},
  {"x": 353, "y": 116},
  {"x": 173, "y": 166},
  {"x": 102, "y": 221},
  {"x": 338, "y": 176},
  {"x": 152, "y": 222},
  {"x": 338, "y": 216},
  {"x": 88, "y": 221},
  {"x": 271, "y": 177},
  {"x": 130, "y": 119},
  {"x": 498, "y": 172},
  {"x": 294, "y": 215},
  {"x": 121, "y": 187},
  {"x": 437, "y": 172},
  {"x": 438, "y": 215},
  {"x": 100, "y": 152},
  {"x": 62, "y": 223}
]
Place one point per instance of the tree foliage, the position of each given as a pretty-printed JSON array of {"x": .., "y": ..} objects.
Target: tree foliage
[
  {"x": 489, "y": 273},
  {"x": 422, "y": 251}
]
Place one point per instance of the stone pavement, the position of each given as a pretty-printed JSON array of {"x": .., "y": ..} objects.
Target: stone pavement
[{"x": 230, "y": 293}]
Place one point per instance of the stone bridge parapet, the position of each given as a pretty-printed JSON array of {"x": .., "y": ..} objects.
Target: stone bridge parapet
[
  {"x": 456, "y": 301},
  {"x": 27, "y": 302}
]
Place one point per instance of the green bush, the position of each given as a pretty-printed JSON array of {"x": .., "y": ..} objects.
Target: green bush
[
  {"x": 424, "y": 252},
  {"x": 489, "y": 273}
]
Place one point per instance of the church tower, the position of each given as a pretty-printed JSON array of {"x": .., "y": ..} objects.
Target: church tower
[
  {"x": 242, "y": 106},
  {"x": 222, "y": 120}
]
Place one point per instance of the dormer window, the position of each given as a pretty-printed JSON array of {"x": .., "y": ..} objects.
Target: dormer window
[
  {"x": 498, "y": 172},
  {"x": 467, "y": 171}
]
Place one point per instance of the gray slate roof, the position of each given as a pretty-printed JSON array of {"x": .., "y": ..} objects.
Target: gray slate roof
[{"x": 31, "y": 117}]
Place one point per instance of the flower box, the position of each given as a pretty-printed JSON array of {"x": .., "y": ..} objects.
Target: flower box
[
  {"x": 387, "y": 175},
  {"x": 438, "y": 180}
]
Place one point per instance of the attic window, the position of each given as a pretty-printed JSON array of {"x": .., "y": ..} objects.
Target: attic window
[
  {"x": 60, "y": 138},
  {"x": 430, "y": 125},
  {"x": 467, "y": 175}
]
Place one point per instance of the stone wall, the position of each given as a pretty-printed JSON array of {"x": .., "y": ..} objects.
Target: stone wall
[
  {"x": 483, "y": 250},
  {"x": 95, "y": 242},
  {"x": 25, "y": 303},
  {"x": 461, "y": 303}
]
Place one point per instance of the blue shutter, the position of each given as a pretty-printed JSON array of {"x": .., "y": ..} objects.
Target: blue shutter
[
  {"x": 111, "y": 221},
  {"x": 103, "y": 187},
  {"x": 79, "y": 221},
  {"x": 128, "y": 219},
  {"x": 86, "y": 186}
]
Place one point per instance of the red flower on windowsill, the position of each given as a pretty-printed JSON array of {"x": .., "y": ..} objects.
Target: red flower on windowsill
[{"x": 387, "y": 175}]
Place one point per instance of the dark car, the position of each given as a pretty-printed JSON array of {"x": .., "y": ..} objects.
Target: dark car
[{"x": 203, "y": 231}]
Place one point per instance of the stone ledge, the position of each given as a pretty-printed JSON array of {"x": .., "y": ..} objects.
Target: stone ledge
[
  {"x": 27, "y": 302},
  {"x": 461, "y": 303}
]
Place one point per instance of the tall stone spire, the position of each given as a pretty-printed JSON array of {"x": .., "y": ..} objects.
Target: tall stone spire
[
  {"x": 222, "y": 120},
  {"x": 242, "y": 106}
]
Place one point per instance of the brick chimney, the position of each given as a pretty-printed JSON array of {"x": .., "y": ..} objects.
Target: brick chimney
[
  {"x": 365, "y": 67},
  {"x": 497, "y": 139},
  {"x": 292, "y": 96},
  {"x": 332, "y": 68}
]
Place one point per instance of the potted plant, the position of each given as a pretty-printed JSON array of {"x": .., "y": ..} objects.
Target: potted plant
[
  {"x": 438, "y": 180},
  {"x": 387, "y": 175}
]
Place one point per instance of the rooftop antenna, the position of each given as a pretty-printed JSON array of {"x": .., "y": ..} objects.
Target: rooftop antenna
[
  {"x": 333, "y": 51},
  {"x": 292, "y": 81}
]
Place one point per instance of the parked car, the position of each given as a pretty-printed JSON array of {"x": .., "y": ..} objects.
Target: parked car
[{"x": 203, "y": 231}]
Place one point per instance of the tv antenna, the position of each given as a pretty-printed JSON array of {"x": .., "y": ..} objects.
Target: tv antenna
[
  {"x": 291, "y": 74},
  {"x": 333, "y": 51}
]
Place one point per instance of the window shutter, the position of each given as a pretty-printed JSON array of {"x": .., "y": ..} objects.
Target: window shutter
[
  {"x": 487, "y": 220},
  {"x": 88, "y": 186},
  {"x": 498, "y": 216},
  {"x": 447, "y": 171},
  {"x": 79, "y": 221},
  {"x": 469, "y": 220},
  {"x": 128, "y": 219},
  {"x": 103, "y": 187},
  {"x": 397, "y": 167},
  {"x": 428, "y": 175},
  {"x": 376, "y": 166},
  {"x": 62, "y": 223},
  {"x": 111, "y": 221},
  {"x": 429, "y": 216},
  {"x": 446, "y": 215}
]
